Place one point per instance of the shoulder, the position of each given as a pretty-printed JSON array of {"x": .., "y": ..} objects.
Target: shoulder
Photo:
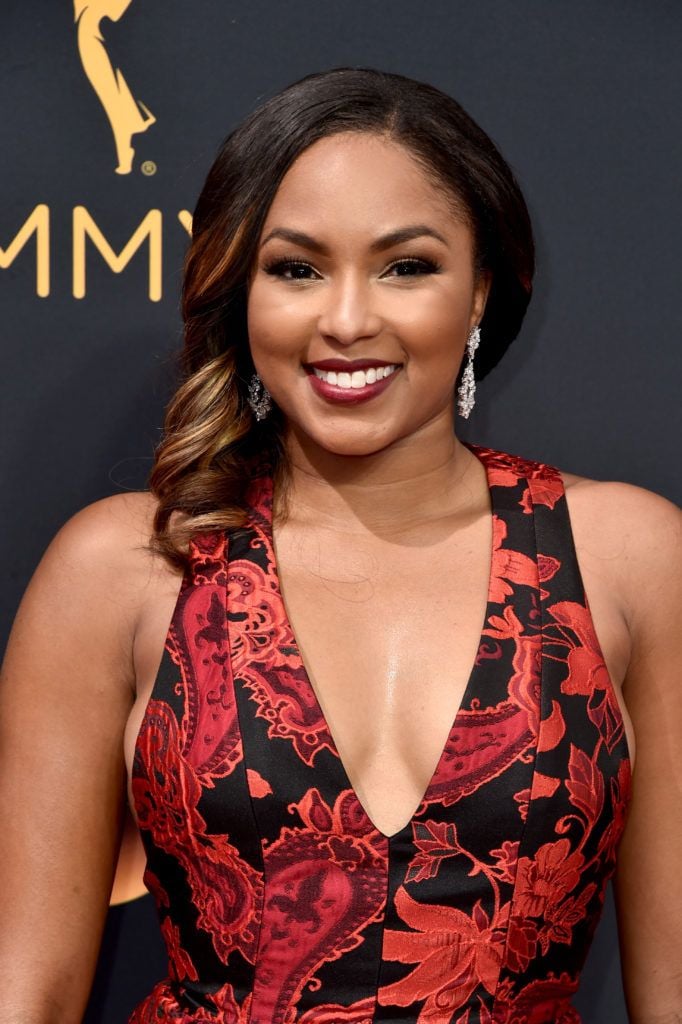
[
  {"x": 105, "y": 532},
  {"x": 629, "y": 519},
  {"x": 81, "y": 609},
  {"x": 100, "y": 559},
  {"x": 635, "y": 533}
]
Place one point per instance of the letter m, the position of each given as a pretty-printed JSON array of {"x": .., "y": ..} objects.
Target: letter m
[
  {"x": 37, "y": 223},
  {"x": 84, "y": 226}
]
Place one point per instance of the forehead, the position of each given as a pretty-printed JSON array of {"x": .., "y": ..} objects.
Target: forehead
[{"x": 359, "y": 176}]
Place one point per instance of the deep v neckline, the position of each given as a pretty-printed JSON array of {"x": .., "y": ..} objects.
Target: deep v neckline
[{"x": 469, "y": 693}]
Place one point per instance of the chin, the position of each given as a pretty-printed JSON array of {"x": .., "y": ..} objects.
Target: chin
[{"x": 351, "y": 443}]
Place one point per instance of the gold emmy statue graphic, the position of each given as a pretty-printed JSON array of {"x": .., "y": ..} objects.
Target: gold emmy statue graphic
[{"x": 127, "y": 116}]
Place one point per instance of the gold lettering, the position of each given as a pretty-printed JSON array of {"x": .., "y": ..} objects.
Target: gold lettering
[
  {"x": 38, "y": 222},
  {"x": 185, "y": 218},
  {"x": 150, "y": 227}
]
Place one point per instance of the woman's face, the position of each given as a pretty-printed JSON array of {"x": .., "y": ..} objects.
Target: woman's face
[{"x": 330, "y": 284}]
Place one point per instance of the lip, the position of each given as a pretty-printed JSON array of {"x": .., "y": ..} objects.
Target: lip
[
  {"x": 336, "y": 395},
  {"x": 348, "y": 365}
]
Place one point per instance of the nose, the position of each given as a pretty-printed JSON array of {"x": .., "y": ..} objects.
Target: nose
[{"x": 348, "y": 312}]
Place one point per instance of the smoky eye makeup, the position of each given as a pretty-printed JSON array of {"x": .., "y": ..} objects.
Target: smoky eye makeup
[
  {"x": 279, "y": 265},
  {"x": 293, "y": 268},
  {"x": 417, "y": 264}
]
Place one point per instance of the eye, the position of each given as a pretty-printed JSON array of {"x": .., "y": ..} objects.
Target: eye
[
  {"x": 411, "y": 266},
  {"x": 289, "y": 269}
]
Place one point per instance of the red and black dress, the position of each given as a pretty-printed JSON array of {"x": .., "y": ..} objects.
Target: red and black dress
[{"x": 280, "y": 902}]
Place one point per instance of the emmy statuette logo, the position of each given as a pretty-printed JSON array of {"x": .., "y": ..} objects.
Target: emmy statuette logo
[{"x": 127, "y": 116}]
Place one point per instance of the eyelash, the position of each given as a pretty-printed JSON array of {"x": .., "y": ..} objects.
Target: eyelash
[{"x": 277, "y": 266}]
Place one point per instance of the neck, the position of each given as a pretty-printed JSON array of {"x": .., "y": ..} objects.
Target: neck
[{"x": 425, "y": 477}]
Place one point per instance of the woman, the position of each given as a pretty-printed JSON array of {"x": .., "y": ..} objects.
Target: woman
[{"x": 357, "y": 805}]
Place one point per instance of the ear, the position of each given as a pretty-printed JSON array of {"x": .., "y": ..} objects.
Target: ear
[{"x": 482, "y": 283}]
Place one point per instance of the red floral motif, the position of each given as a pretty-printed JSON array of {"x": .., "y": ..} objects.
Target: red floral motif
[
  {"x": 522, "y": 798},
  {"x": 259, "y": 634},
  {"x": 265, "y": 656},
  {"x": 199, "y": 646},
  {"x": 162, "y": 1005},
  {"x": 179, "y": 963},
  {"x": 586, "y": 668},
  {"x": 522, "y": 943},
  {"x": 545, "y": 488},
  {"x": 507, "y": 857},
  {"x": 333, "y": 1013},
  {"x": 506, "y": 626},
  {"x": 326, "y": 884},
  {"x": 548, "y": 567},
  {"x": 225, "y": 892},
  {"x": 482, "y": 745},
  {"x": 435, "y": 841},
  {"x": 347, "y": 818},
  {"x": 544, "y": 881},
  {"x": 587, "y": 672},
  {"x": 167, "y": 792},
  {"x": 258, "y": 786},
  {"x": 454, "y": 954},
  {"x": 552, "y": 729},
  {"x": 572, "y": 911},
  {"x": 585, "y": 785},
  {"x": 620, "y": 787},
  {"x": 509, "y": 566},
  {"x": 544, "y": 1001},
  {"x": 544, "y": 482},
  {"x": 544, "y": 785},
  {"x": 154, "y": 886},
  {"x": 224, "y": 886}
]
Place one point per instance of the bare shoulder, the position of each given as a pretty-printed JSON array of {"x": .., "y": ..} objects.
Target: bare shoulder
[
  {"x": 99, "y": 564},
  {"x": 635, "y": 533},
  {"x": 121, "y": 518}
]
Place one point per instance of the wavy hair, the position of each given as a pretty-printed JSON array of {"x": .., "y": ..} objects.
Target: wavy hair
[{"x": 210, "y": 440}]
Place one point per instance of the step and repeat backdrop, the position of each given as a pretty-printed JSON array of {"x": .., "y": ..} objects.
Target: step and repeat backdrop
[{"x": 112, "y": 111}]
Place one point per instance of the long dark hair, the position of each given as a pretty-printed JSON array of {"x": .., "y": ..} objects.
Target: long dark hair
[{"x": 210, "y": 436}]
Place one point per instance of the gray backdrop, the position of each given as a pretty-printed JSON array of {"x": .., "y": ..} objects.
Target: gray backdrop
[{"x": 584, "y": 101}]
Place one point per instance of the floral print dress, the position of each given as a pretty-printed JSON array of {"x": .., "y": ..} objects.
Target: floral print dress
[{"x": 280, "y": 901}]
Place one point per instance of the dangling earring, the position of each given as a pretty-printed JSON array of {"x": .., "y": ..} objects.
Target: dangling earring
[
  {"x": 259, "y": 398},
  {"x": 467, "y": 389}
]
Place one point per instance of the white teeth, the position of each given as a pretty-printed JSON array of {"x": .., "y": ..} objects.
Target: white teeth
[{"x": 358, "y": 378}]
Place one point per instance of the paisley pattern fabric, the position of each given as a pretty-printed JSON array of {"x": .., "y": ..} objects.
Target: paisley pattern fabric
[{"x": 279, "y": 901}]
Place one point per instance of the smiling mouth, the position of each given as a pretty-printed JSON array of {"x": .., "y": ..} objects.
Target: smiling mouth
[{"x": 355, "y": 379}]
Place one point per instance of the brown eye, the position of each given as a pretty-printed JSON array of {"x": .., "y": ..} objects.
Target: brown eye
[
  {"x": 413, "y": 266},
  {"x": 289, "y": 270}
]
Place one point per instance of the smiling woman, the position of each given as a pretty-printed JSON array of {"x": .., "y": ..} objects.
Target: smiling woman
[{"x": 379, "y": 745}]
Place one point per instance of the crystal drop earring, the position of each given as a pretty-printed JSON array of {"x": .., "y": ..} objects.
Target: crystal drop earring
[
  {"x": 467, "y": 388},
  {"x": 259, "y": 398}
]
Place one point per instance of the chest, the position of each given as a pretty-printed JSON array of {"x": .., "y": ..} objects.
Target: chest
[{"x": 389, "y": 634}]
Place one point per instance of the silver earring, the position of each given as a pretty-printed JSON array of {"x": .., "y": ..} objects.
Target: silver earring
[
  {"x": 467, "y": 389},
  {"x": 259, "y": 397}
]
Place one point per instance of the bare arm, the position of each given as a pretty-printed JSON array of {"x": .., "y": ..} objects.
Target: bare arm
[
  {"x": 66, "y": 688},
  {"x": 649, "y": 875}
]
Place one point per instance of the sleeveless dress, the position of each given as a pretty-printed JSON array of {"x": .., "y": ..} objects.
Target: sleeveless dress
[{"x": 279, "y": 901}]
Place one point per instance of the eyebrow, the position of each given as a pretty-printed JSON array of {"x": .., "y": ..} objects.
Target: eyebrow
[{"x": 386, "y": 241}]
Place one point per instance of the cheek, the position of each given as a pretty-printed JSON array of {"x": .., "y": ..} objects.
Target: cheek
[
  {"x": 274, "y": 326},
  {"x": 435, "y": 332}
]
